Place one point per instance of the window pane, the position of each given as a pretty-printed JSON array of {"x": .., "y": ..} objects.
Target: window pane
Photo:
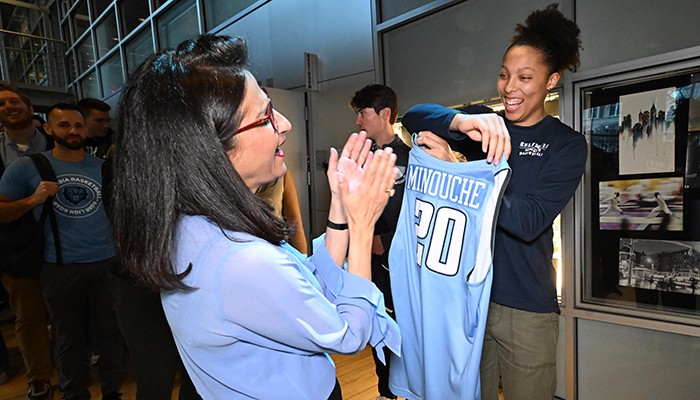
[
  {"x": 132, "y": 14},
  {"x": 65, "y": 29},
  {"x": 89, "y": 86},
  {"x": 106, "y": 34},
  {"x": 138, "y": 49},
  {"x": 24, "y": 20},
  {"x": 71, "y": 66},
  {"x": 81, "y": 21},
  {"x": 393, "y": 8},
  {"x": 158, "y": 3},
  {"x": 64, "y": 7},
  {"x": 54, "y": 19},
  {"x": 111, "y": 74},
  {"x": 178, "y": 24},
  {"x": 86, "y": 54},
  {"x": 216, "y": 11},
  {"x": 98, "y": 6}
]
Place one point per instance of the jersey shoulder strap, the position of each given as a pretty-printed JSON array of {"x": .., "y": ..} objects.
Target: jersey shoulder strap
[
  {"x": 42, "y": 164},
  {"x": 47, "y": 174}
]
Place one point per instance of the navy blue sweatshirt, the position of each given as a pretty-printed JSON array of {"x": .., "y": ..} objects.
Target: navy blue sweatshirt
[{"x": 547, "y": 162}]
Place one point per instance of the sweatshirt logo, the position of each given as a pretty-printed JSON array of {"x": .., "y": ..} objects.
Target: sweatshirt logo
[{"x": 533, "y": 149}]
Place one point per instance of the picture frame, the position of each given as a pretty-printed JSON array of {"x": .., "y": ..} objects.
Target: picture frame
[{"x": 642, "y": 193}]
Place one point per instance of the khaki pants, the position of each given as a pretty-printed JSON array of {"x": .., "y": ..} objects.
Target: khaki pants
[
  {"x": 521, "y": 348},
  {"x": 31, "y": 325}
]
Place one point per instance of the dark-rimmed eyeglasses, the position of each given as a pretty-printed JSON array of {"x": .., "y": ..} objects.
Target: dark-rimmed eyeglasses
[{"x": 269, "y": 117}]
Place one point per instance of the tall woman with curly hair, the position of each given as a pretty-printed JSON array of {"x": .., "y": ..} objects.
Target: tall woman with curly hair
[{"x": 547, "y": 161}]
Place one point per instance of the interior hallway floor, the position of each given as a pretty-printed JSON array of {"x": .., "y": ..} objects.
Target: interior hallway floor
[{"x": 355, "y": 373}]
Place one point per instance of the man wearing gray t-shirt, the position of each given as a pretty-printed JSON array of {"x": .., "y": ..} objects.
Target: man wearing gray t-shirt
[{"x": 19, "y": 270}]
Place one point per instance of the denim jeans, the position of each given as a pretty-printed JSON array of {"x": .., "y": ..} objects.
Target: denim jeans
[
  {"x": 154, "y": 356},
  {"x": 74, "y": 293},
  {"x": 4, "y": 355}
]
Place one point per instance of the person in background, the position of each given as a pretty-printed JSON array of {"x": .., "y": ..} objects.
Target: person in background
[
  {"x": 4, "y": 361},
  {"x": 5, "y": 373},
  {"x": 38, "y": 123},
  {"x": 75, "y": 279},
  {"x": 377, "y": 108},
  {"x": 661, "y": 207},
  {"x": 98, "y": 144},
  {"x": 97, "y": 120},
  {"x": 251, "y": 316},
  {"x": 21, "y": 250},
  {"x": 155, "y": 362},
  {"x": 547, "y": 163},
  {"x": 614, "y": 206},
  {"x": 282, "y": 196}
]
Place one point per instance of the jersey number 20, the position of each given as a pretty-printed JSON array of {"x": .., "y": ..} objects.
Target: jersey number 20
[{"x": 440, "y": 237}]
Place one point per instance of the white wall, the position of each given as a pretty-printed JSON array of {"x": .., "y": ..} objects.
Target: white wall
[
  {"x": 333, "y": 121},
  {"x": 453, "y": 56},
  {"x": 624, "y": 363},
  {"x": 617, "y": 31},
  {"x": 340, "y": 33}
]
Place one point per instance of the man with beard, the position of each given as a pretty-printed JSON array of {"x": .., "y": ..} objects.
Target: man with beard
[
  {"x": 75, "y": 275},
  {"x": 19, "y": 265},
  {"x": 96, "y": 114},
  {"x": 20, "y": 136}
]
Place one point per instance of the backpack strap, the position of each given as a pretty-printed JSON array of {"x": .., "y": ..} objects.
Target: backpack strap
[{"x": 47, "y": 174}]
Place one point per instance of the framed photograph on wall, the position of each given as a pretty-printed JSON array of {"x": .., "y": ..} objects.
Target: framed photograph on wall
[
  {"x": 642, "y": 211},
  {"x": 647, "y": 133},
  {"x": 654, "y": 204},
  {"x": 664, "y": 266}
]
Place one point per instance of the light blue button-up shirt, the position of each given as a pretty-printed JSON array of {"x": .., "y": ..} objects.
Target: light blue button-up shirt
[{"x": 263, "y": 317}]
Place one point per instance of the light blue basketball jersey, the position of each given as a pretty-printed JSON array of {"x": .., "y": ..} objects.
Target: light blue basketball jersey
[{"x": 441, "y": 272}]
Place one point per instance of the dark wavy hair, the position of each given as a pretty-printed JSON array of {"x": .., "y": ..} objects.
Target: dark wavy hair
[
  {"x": 179, "y": 114},
  {"x": 555, "y": 36},
  {"x": 377, "y": 97},
  {"x": 88, "y": 104}
]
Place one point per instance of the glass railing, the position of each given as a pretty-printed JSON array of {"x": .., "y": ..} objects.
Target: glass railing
[{"x": 33, "y": 60}]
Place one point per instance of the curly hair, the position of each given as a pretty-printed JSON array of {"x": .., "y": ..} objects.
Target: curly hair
[{"x": 555, "y": 36}]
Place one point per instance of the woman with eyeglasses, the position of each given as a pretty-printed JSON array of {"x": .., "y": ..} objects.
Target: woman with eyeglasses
[{"x": 251, "y": 317}]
